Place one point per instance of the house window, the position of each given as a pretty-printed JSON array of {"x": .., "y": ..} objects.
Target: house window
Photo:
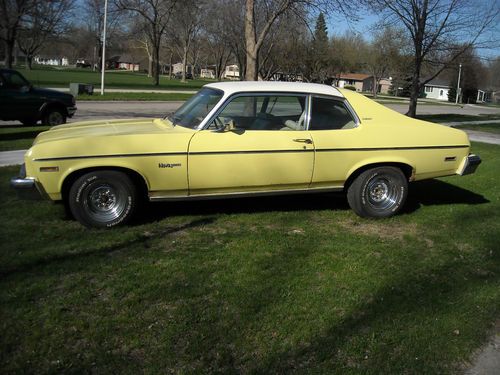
[
  {"x": 441, "y": 93},
  {"x": 428, "y": 89}
]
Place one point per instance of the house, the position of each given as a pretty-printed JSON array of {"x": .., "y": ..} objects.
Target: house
[
  {"x": 177, "y": 68},
  {"x": 232, "y": 72},
  {"x": 53, "y": 60},
  {"x": 384, "y": 85},
  {"x": 124, "y": 62},
  {"x": 363, "y": 82},
  {"x": 352, "y": 79},
  {"x": 437, "y": 89}
]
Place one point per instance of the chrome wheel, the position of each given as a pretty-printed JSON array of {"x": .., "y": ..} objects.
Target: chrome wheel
[
  {"x": 381, "y": 193},
  {"x": 105, "y": 203},
  {"x": 378, "y": 192}
]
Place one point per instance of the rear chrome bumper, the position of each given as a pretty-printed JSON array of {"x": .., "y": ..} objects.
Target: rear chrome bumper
[{"x": 471, "y": 164}]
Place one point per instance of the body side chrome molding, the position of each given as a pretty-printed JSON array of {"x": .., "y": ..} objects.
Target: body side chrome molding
[{"x": 247, "y": 194}]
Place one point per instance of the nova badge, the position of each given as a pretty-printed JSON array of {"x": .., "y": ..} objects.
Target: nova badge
[{"x": 168, "y": 165}]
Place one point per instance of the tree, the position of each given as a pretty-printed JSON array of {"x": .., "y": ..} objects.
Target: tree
[
  {"x": 155, "y": 15},
  {"x": 257, "y": 28},
  {"x": 470, "y": 78},
  {"x": 218, "y": 45},
  {"x": 94, "y": 21},
  {"x": 434, "y": 26},
  {"x": 382, "y": 55},
  {"x": 12, "y": 13},
  {"x": 43, "y": 20},
  {"x": 319, "y": 51},
  {"x": 185, "y": 28}
]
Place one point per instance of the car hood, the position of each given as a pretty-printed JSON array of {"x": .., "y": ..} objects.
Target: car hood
[
  {"x": 49, "y": 92},
  {"x": 100, "y": 128}
]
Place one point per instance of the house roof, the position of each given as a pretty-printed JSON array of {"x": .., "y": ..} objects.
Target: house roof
[
  {"x": 355, "y": 76},
  {"x": 123, "y": 59},
  {"x": 276, "y": 86},
  {"x": 438, "y": 82}
]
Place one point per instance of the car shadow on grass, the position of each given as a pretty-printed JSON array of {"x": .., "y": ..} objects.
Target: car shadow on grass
[
  {"x": 421, "y": 193},
  {"x": 437, "y": 192},
  {"x": 284, "y": 203},
  {"x": 100, "y": 251}
]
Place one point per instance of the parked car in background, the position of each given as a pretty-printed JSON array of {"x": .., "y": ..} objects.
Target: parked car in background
[
  {"x": 178, "y": 75},
  {"x": 20, "y": 101},
  {"x": 238, "y": 139}
]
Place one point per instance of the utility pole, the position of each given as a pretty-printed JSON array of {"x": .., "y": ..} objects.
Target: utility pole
[
  {"x": 458, "y": 83},
  {"x": 103, "y": 62}
]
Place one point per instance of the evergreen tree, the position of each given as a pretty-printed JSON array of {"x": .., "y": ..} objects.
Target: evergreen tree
[{"x": 320, "y": 49}]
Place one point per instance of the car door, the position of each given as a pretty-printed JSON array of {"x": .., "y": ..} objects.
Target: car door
[
  {"x": 19, "y": 102},
  {"x": 267, "y": 148},
  {"x": 336, "y": 135}
]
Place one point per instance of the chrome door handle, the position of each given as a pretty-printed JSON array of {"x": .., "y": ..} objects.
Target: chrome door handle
[{"x": 304, "y": 140}]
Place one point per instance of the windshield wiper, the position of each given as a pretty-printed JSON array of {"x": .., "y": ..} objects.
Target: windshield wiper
[{"x": 173, "y": 119}]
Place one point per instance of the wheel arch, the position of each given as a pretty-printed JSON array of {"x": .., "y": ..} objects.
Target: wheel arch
[
  {"x": 52, "y": 105},
  {"x": 138, "y": 179},
  {"x": 405, "y": 167}
]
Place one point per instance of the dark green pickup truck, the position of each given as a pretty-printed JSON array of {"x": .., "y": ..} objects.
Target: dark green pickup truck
[{"x": 19, "y": 100}]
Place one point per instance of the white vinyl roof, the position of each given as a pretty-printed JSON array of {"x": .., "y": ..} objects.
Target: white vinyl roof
[{"x": 265, "y": 86}]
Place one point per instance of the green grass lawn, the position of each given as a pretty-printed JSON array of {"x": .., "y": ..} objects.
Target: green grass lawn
[
  {"x": 269, "y": 285},
  {"x": 19, "y": 137},
  {"x": 51, "y": 77},
  {"x": 488, "y": 128}
]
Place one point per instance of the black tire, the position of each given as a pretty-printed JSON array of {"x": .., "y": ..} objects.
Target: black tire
[
  {"x": 378, "y": 192},
  {"x": 103, "y": 199},
  {"x": 53, "y": 117}
]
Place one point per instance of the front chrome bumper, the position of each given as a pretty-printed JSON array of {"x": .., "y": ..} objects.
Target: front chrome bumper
[
  {"x": 471, "y": 164},
  {"x": 26, "y": 187},
  {"x": 71, "y": 111}
]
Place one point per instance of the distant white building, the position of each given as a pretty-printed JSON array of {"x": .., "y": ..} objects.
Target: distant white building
[
  {"x": 437, "y": 89},
  {"x": 54, "y": 61},
  {"x": 232, "y": 72},
  {"x": 177, "y": 68},
  {"x": 207, "y": 73}
]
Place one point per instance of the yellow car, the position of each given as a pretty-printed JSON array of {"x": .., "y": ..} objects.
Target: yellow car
[{"x": 239, "y": 139}]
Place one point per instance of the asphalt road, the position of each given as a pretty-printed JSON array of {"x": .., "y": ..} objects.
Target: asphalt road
[
  {"x": 114, "y": 110},
  {"x": 109, "y": 110},
  {"x": 88, "y": 110}
]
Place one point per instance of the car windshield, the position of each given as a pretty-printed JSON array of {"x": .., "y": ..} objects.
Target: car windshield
[{"x": 192, "y": 112}]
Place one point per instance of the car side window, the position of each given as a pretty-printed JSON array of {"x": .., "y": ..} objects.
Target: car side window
[
  {"x": 264, "y": 112},
  {"x": 14, "y": 80},
  {"x": 330, "y": 114}
]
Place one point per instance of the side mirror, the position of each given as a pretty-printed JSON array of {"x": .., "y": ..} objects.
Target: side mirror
[
  {"x": 229, "y": 126},
  {"x": 25, "y": 89},
  {"x": 223, "y": 127}
]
